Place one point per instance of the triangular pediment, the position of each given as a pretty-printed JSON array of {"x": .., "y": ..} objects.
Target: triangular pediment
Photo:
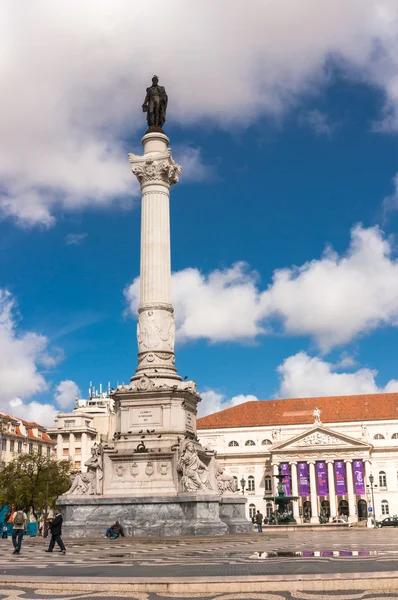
[{"x": 320, "y": 437}]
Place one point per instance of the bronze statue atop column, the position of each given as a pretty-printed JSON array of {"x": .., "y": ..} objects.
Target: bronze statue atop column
[{"x": 155, "y": 105}]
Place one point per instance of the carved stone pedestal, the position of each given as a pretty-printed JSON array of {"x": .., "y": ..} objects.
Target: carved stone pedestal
[{"x": 163, "y": 516}]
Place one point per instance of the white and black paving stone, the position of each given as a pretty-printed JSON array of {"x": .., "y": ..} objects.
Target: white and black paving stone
[{"x": 337, "y": 554}]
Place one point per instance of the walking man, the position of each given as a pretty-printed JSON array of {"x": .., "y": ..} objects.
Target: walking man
[
  {"x": 259, "y": 521},
  {"x": 18, "y": 529},
  {"x": 56, "y": 532}
]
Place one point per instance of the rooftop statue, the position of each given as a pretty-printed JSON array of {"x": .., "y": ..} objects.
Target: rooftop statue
[{"x": 155, "y": 104}]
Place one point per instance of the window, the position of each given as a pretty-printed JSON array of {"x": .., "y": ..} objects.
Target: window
[
  {"x": 69, "y": 424},
  {"x": 250, "y": 443},
  {"x": 78, "y": 450},
  {"x": 382, "y": 479},
  {"x": 40, "y": 449},
  {"x": 394, "y": 436},
  {"x": 268, "y": 483},
  {"x": 236, "y": 483},
  {"x": 48, "y": 450},
  {"x": 19, "y": 447},
  {"x": 384, "y": 508},
  {"x": 12, "y": 446},
  {"x": 266, "y": 443},
  {"x": 233, "y": 443},
  {"x": 77, "y": 463},
  {"x": 250, "y": 484},
  {"x": 379, "y": 436},
  {"x": 269, "y": 510},
  {"x": 30, "y": 448},
  {"x": 4, "y": 444},
  {"x": 252, "y": 510},
  {"x": 65, "y": 451}
]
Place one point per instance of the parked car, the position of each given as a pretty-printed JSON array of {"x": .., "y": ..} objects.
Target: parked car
[{"x": 388, "y": 522}]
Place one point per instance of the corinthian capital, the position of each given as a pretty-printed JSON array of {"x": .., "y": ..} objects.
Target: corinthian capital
[{"x": 157, "y": 168}]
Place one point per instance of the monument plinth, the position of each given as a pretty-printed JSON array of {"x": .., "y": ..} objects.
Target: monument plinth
[{"x": 155, "y": 478}]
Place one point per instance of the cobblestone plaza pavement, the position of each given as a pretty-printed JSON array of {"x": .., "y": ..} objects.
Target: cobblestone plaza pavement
[{"x": 352, "y": 564}]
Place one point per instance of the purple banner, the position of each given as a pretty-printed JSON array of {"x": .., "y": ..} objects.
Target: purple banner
[
  {"x": 359, "y": 479},
  {"x": 285, "y": 470},
  {"x": 304, "y": 484},
  {"x": 322, "y": 478},
  {"x": 339, "y": 472}
]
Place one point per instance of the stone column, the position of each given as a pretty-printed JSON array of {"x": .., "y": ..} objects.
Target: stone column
[
  {"x": 314, "y": 495},
  {"x": 156, "y": 171},
  {"x": 84, "y": 451},
  {"x": 350, "y": 492},
  {"x": 332, "y": 490},
  {"x": 296, "y": 511},
  {"x": 72, "y": 446},
  {"x": 275, "y": 471},
  {"x": 60, "y": 449}
]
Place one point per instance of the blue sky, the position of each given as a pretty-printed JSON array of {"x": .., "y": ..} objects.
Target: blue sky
[{"x": 295, "y": 173}]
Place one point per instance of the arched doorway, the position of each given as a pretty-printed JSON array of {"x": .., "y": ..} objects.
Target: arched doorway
[
  {"x": 362, "y": 510},
  {"x": 343, "y": 508},
  {"x": 325, "y": 508},
  {"x": 307, "y": 511}
]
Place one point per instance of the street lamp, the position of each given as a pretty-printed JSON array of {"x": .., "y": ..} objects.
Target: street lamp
[
  {"x": 371, "y": 480},
  {"x": 243, "y": 484}
]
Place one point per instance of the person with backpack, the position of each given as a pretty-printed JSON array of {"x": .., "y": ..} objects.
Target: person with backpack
[
  {"x": 56, "y": 532},
  {"x": 19, "y": 520}
]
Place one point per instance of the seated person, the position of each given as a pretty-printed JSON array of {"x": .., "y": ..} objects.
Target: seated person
[{"x": 114, "y": 531}]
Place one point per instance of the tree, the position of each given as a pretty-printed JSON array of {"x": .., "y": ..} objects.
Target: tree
[{"x": 23, "y": 482}]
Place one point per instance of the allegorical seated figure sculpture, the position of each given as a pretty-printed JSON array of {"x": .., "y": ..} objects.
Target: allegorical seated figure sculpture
[
  {"x": 88, "y": 483},
  {"x": 155, "y": 104},
  {"x": 226, "y": 483},
  {"x": 195, "y": 474}
]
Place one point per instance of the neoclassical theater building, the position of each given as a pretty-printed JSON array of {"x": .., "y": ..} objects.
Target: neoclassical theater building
[{"x": 330, "y": 450}]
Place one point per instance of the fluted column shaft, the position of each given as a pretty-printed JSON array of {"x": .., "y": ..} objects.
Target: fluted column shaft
[
  {"x": 296, "y": 510},
  {"x": 314, "y": 495},
  {"x": 332, "y": 490},
  {"x": 350, "y": 491},
  {"x": 156, "y": 172},
  {"x": 155, "y": 272}
]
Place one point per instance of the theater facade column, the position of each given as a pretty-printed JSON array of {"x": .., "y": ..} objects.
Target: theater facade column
[{"x": 332, "y": 489}]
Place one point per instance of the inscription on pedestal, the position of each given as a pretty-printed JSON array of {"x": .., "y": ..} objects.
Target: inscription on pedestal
[
  {"x": 151, "y": 415},
  {"x": 189, "y": 421}
]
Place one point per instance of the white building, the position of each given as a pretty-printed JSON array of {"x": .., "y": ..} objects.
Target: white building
[
  {"x": 328, "y": 455},
  {"x": 90, "y": 422},
  {"x": 22, "y": 437}
]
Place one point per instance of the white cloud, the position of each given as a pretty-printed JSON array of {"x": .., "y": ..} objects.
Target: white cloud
[
  {"x": 390, "y": 203},
  {"x": 305, "y": 376},
  {"x": 213, "y": 401},
  {"x": 21, "y": 355},
  {"x": 73, "y": 78},
  {"x": 332, "y": 299},
  {"x": 44, "y": 414},
  {"x": 193, "y": 166},
  {"x": 66, "y": 393},
  {"x": 221, "y": 306},
  {"x": 318, "y": 121},
  {"x": 336, "y": 298},
  {"x": 75, "y": 239}
]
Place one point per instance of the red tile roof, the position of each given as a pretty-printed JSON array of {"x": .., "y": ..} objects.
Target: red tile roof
[
  {"x": 29, "y": 426},
  {"x": 299, "y": 411}
]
